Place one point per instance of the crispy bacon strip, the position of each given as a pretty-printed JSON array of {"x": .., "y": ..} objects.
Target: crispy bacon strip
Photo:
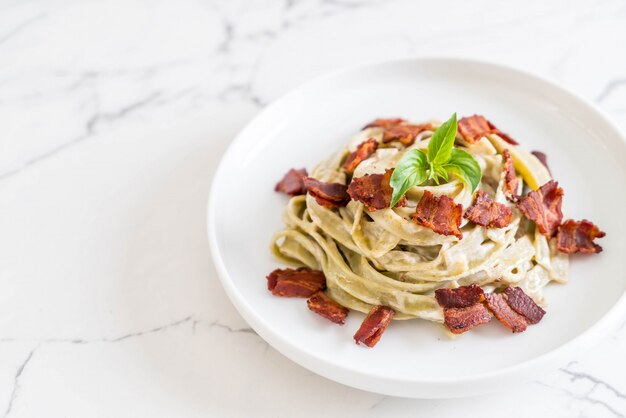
[
  {"x": 404, "y": 133},
  {"x": 384, "y": 123},
  {"x": 292, "y": 183},
  {"x": 440, "y": 214},
  {"x": 497, "y": 304},
  {"x": 330, "y": 195},
  {"x": 543, "y": 206},
  {"x": 541, "y": 157},
  {"x": 397, "y": 129},
  {"x": 485, "y": 212},
  {"x": 460, "y": 320},
  {"x": 472, "y": 128},
  {"x": 363, "y": 151},
  {"x": 374, "y": 325},
  {"x": 462, "y": 307},
  {"x": 299, "y": 283},
  {"x": 461, "y": 297},
  {"x": 324, "y": 306},
  {"x": 574, "y": 237},
  {"x": 523, "y": 304},
  {"x": 374, "y": 191},
  {"x": 510, "y": 179}
]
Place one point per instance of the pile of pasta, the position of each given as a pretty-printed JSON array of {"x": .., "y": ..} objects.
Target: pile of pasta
[{"x": 443, "y": 250}]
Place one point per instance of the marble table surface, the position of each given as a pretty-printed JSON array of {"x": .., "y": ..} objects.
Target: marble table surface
[{"x": 109, "y": 302}]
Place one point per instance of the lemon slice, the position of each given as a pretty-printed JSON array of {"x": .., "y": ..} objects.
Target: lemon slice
[{"x": 534, "y": 173}]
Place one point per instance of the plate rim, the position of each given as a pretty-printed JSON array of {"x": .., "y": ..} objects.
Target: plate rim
[{"x": 314, "y": 364}]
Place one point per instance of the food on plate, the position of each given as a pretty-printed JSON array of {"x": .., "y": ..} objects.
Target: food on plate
[
  {"x": 293, "y": 182},
  {"x": 460, "y": 320},
  {"x": 374, "y": 325},
  {"x": 300, "y": 283},
  {"x": 573, "y": 237},
  {"x": 485, "y": 212},
  {"x": 328, "y": 195},
  {"x": 362, "y": 152},
  {"x": 543, "y": 207},
  {"x": 448, "y": 222},
  {"x": 324, "y": 306}
]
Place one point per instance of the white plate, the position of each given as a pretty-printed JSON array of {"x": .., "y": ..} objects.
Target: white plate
[{"x": 586, "y": 153}]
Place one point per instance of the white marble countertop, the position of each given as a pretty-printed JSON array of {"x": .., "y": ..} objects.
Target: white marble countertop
[{"x": 109, "y": 303}]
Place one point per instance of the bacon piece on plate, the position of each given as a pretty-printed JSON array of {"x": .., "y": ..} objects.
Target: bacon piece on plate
[
  {"x": 384, "y": 123},
  {"x": 574, "y": 237},
  {"x": 523, "y": 304},
  {"x": 374, "y": 325},
  {"x": 440, "y": 214},
  {"x": 330, "y": 195},
  {"x": 363, "y": 151},
  {"x": 543, "y": 206},
  {"x": 485, "y": 212},
  {"x": 299, "y": 283},
  {"x": 404, "y": 133},
  {"x": 460, "y": 320},
  {"x": 472, "y": 128},
  {"x": 542, "y": 157},
  {"x": 374, "y": 191},
  {"x": 324, "y": 306},
  {"x": 497, "y": 304},
  {"x": 462, "y": 307},
  {"x": 510, "y": 179},
  {"x": 397, "y": 129},
  {"x": 461, "y": 297},
  {"x": 293, "y": 182}
]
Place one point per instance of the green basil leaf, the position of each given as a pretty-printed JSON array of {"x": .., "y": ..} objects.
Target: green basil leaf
[
  {"x": 432, "y": 174},
  {"x": 410, "y": 171},
  {"x": 463, "y": 165},
  {"x": 441, "y": 172},
  {"x": 442, "y": 141}
]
